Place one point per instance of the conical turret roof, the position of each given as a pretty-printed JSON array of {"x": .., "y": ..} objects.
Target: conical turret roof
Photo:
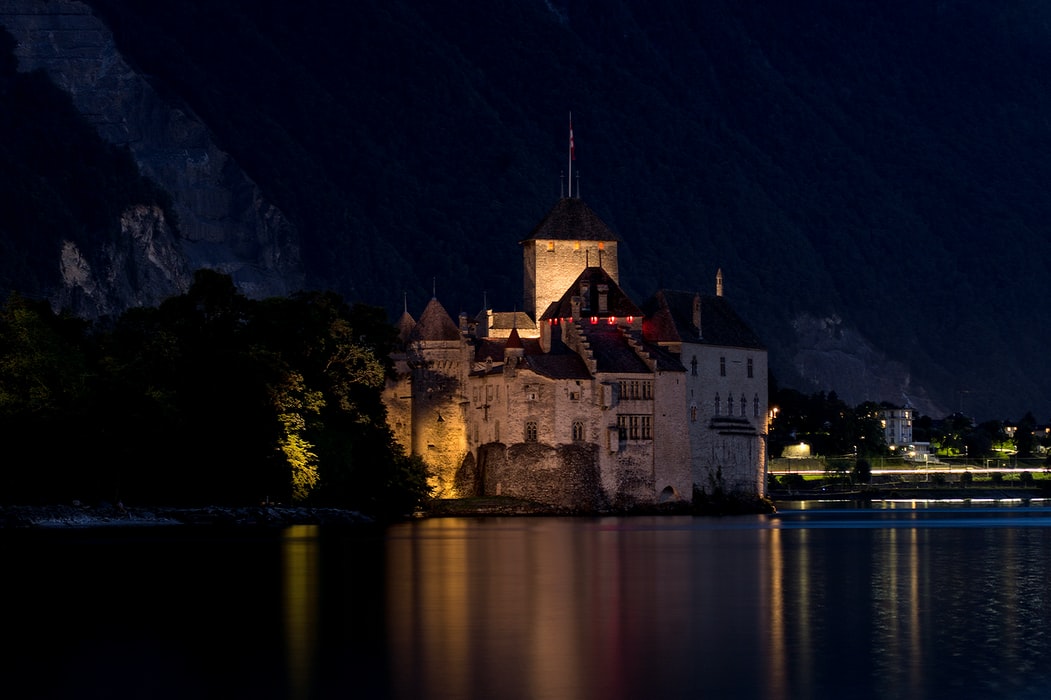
[
  {"x": 405, "y": 326},
  {"x": 435, "y": 324}
]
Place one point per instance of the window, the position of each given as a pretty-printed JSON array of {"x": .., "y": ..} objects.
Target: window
[
  {"x": 717, "y": 404},
  {"x": 751, "y": 370},
  {"x": 551, "y": 246},
  {"x": 744, "y": 406},
  {"x": 693, "y": 414},
  {"x": 530, "y": 431},
  {"x": 635, "y": 427},
  {"x": 722, "y": 366},
  {"x": 755, "y": 406},
  {"x": 636, "y": 389},
  {"x": 693, "y": 366},
  {"x": 578, "y": 431},
  {"x": 730, "y": 405}
]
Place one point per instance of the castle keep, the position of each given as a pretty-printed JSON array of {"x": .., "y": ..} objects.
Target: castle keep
[{"x": 584, "y": 399}]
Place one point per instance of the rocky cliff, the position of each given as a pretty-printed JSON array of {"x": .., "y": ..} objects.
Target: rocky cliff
[{"x": 223, "y": 220}]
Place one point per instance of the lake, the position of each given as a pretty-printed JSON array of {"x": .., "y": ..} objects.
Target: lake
[{"x": 822, "y": 600}]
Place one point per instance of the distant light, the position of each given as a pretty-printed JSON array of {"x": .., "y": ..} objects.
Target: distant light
[
  {"x": 631, "y": 319},
  {"x": 594, "y": 320}
]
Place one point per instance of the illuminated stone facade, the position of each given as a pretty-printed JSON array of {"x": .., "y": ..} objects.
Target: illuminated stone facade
[{"x": 588, "y": 401}]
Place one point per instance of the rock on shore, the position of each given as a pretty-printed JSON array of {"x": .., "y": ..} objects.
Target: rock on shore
[{"x": 106, "y": 515}]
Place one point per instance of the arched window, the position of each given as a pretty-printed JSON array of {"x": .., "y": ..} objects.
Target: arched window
[
  {"x": 530, "y": 431},
  {"x": 755, "y": 406},
  {"x": 730, "y": 405},
  {"x": 744, "y": 406},
  {"x": 693, "y": 366},
  {"x": 718, "y": 404},
  {"x": 578, "y": 431}
]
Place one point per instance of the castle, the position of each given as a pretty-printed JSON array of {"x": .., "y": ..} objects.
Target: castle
[{"x": 583, "y": 399}]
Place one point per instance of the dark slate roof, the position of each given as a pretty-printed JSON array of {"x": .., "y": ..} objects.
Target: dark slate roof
[
  {"x": 435, "y": 324},
  {"x": 566, "y": 365},
  {"x": 617, "y": 302},
  {"x": 611, "y": 349},
  {"x": 669, "y": 318},
  {"x": 572, "y": 220},
  {"x": 486, "y": 348},
  {"x": 666, "y": 361},
  {"x": 405, "y": 325}
]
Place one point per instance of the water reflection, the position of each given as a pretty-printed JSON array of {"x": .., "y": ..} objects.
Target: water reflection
[
  {"x": 300, "y": 589},
  {"x": 822, "y": 603},
  {"x": 679, "y": 607},
  {"x": 550, "y": 608}
]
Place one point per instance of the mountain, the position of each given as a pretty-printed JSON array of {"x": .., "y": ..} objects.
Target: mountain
[{"x": 868, "y": 174}]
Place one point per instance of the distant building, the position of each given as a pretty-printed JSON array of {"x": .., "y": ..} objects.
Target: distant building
[
  {"x": 897, "y": 426},
  {"x": 584, "y": 399}
]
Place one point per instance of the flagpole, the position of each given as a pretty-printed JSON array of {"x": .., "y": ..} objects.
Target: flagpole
[{"x": 570, "y": 154}]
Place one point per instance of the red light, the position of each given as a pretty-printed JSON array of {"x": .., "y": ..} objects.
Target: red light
[{"x": 594, "y": 320}]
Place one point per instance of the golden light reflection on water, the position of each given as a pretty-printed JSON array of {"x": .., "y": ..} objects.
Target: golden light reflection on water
[
  {"x": 633, "y": 607},
  {"x": 775, "y": 654},
  {"x": 444, "y": 613},
  {"x": 299, "y": 573},
  {"x": 556, "y": 610}
]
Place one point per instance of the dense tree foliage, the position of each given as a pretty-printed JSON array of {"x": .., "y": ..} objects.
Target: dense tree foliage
[
  {"x": 209, "y": 398},
  {"x": 833, "y": 429},
  {"x": 826, "y": 423}
]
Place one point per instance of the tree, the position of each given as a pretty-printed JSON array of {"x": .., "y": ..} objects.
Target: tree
[
  {"x": 1024, "y": 439},
  {"x": 44, "y": 393},
  {"x": 862, "y": 471}
]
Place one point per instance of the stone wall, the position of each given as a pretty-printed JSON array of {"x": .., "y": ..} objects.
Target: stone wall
[
  {"x": 733, "y": 453},
  {"x": 565, "y": 476},
  {"x": 551, "y": 266}
]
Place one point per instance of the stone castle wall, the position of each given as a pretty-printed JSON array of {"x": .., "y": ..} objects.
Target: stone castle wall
[
  {"x": 565, "y": 476},
  {"x": 551, "y": 266}
]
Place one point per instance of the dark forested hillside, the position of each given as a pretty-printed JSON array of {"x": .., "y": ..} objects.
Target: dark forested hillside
[{"x": 868, "y": 174}]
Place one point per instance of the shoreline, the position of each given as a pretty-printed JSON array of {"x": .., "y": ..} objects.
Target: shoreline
[
  {"x": 934, "y": 493},
  {"x": 79, "y": 516},
  {"x": 109, "y": 516}
]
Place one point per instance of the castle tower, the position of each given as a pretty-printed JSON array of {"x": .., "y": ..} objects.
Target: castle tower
[
  {"x": 570, "y": 238},
  {"x": 439, "y": 358}
]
